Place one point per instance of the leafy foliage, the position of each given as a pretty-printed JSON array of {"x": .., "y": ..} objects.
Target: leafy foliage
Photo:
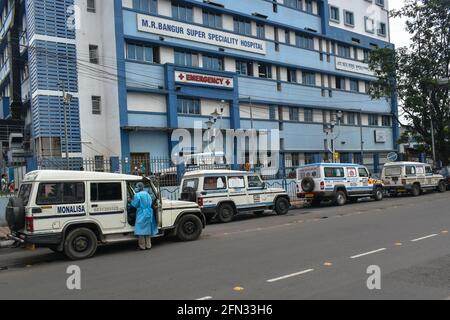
[{"x": 413, "y": 73}]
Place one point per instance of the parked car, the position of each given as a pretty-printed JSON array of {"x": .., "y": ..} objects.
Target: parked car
[
  {"x": 445, "y": 172},
  {"x": 338, "y": 182},
  {"x": 72, "y": 212},
  {"x": 222, "y": 194},
  {"x": 411, "y": 177}
]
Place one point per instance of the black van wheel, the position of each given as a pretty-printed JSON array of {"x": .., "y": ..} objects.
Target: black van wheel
[
  {"x": 378, "y": 194},
  {"x": 15, "y": 214},
  {"x": 442, "y": 187},
  {"x": 282, "y": 206},
  {"x": 225, "y": 213},
  {"x": 189, "y": 228},
  {"x": 340, "y": 199},
  {"x": 80, "y": 244},
  {"x": 415, "y": 191}
]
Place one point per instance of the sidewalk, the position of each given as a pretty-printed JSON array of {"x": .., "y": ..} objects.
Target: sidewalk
[
  {"x": 3, "y": 232},
  {"x": 4, "y": 243}
]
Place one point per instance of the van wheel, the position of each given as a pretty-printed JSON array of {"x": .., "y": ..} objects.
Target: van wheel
[
  {"x": 225, "y": 213},
  {"x": 282, "y": 206},
  {"x": 80, "y": 244},
  {"x": 442, "y": 187},
  {"x": 378, "y": 194},
  {"x": 415, "y": 191},
  {"x": 340, "y": 199},
  {"x": 189, "y": 228}
]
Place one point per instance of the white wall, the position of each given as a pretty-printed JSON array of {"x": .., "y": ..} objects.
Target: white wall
[
  {"x": 99, "y": 133},
  {"x": 209, "y": 106},
  {"x": 145, "y": 102},
  {"x": 361, "y": 9}
]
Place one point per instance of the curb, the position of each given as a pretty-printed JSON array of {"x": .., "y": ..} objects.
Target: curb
[{"x": 6, "y": 243}]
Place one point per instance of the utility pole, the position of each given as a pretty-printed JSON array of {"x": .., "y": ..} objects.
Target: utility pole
[
  {"x": 66, "y": 100},
  {"x": 251, "y": 112}
]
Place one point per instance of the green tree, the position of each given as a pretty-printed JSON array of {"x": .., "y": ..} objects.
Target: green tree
[{"x": 413, "y": 73}]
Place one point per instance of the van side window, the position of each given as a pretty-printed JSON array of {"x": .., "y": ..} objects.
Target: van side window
[
  {"x": 255, "y": 182},
  {"x": 420, "y": 170},
  {"x": 410, "y": 170},
  {"x": 214, "y": 183},
  {"x": 363, "y": 173},
  {"x": 60, "y": 193},
  {"x": 108, "y": 191},
  {"x": 428, "y": 170},
  {"x": 236, "y": 182},
  {"x": 334, "y": 172}
]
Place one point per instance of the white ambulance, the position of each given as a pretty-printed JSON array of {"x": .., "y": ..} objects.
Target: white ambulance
[{"x": 73, "y": 212}]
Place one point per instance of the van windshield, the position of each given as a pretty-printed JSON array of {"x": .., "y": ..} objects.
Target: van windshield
[
  {"x": 393, "y": 171},
  {"x": 24, "y": 193}
]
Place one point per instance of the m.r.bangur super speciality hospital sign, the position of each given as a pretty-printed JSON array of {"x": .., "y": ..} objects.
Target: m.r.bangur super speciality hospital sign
[{"x": 175, "y": 29}]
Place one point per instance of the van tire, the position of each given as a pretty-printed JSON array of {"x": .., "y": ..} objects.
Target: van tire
[
  {"x": 80, "y": 244},
  {"x": 415, "y": 190},
  {"x": 189, "y": 228},
  {"x": 442, "y": 187},
  {"x": 281, "y": 206},
  {"x": 15, "y": 214},
  {"x": 378, "y": 194},
  {"x": 225, "y": 213},
  {"x": 340, "y": 199}
]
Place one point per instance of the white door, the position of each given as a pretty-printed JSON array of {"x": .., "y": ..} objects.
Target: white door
[
  {"x": 107, "y": 204},
  {"x": 237, "y": 192},
  {"x": 257, "y": 194},
  {"x": 363, "y": 181}
]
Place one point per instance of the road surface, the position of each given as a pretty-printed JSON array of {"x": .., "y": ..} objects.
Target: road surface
[{"x": 321, "y": 253}]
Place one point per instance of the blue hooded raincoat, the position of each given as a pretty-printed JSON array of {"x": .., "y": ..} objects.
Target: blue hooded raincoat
[{"x": 145, "y": 220}]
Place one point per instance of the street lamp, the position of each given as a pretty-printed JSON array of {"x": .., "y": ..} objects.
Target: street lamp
[{"x": 329, "y": 130}]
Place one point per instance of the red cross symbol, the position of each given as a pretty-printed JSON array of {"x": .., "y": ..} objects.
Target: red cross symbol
[
  {"x": 228, "y": 82},
  {"x": 181, "y": 76}
]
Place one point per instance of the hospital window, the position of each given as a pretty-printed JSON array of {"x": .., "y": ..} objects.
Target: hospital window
[
  {"x": 309, "y": 6},
  {"x": 213, "y": 20},
  {"x": 292, "y": 75},
  {"x": 344, "y": 51},
  {"x": 273, "y": 112},
  {"x": 386, "y": 121},
  {"x": 351, "y": 118},
  {"x": 354, "y": 86},
  {"x": 294, "y": 114},
  {"x": 186, "y": 59},
  {"x": 340, "y": 83},
  {"x": 139, "y": 53},
  {"x": 183, "y": 13},
  {"x": 145, "y": 5},
  {"x": 242, "y": 26},
  {"x": 260, "y": 31},
  {"x": 382, "y": 29},
  {"x": 91, "y": 6},
  {"x": 212, "y": 63},
  {"x": 304, "y": 42},
  {"x": 296, "y": 4},
  {"x": 349, "y": 18},
  {"x": 334, "y": 14},
  {"x": 309, "y": 78},
  {"x": 188, "y": 106},
  {"x": 309, "y": 116},
  {"x": 93, "y": 54},
  {"x": 265, "y": 71},
  {"x": 244, "y": 68},
  {"x": 373, "y": 120},
  {"x": 96, "y": 105}
]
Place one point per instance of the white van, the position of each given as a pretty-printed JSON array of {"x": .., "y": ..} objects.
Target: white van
[
  {"x": 411, "y": 177},
  {"x": 221, "y": 194},
  {"x": 73, "y": 212},
  {"x": 339, "y": 182}
]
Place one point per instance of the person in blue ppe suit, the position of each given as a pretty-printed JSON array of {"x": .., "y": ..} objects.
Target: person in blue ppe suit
[{"x": 146, "y": 225}]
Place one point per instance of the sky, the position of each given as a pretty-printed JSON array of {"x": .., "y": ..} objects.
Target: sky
[{"x": 399, "y": 36}]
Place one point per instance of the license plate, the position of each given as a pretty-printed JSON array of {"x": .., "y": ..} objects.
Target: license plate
[{"x": 309, "y": 195}]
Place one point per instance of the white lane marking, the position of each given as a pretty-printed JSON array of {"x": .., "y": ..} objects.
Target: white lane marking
[
  {"x": 426, "y": 237},
  {"x": 205, "y": 298},
  {"x": 290, "y": 275},
  {"x": 367, "y": 253}
]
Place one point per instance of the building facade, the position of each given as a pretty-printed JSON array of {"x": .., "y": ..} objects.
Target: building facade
[{"x": 138, "y": 69}]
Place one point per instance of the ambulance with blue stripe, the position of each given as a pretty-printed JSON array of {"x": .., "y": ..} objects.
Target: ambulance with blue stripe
[{"x": 338, "y": 182}]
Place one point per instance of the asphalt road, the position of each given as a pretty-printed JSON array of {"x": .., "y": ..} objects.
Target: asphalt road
[{"x": 319, "y": 253}]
